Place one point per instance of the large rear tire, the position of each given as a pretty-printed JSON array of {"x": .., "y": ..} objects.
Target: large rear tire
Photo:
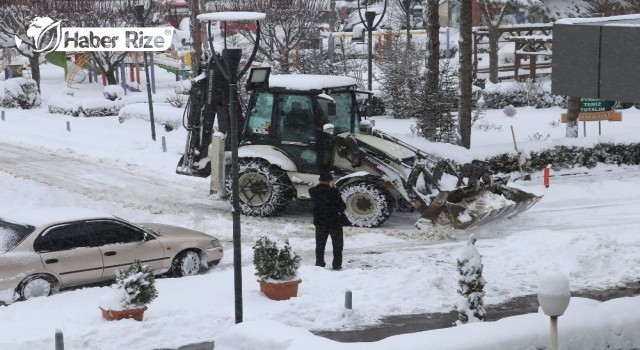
[
  {"x": 264, "y": 189},
  {"x": 368, "y": 204}
]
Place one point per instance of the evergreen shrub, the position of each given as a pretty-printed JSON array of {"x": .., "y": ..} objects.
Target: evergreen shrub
[{"x": 274, "y": 262}]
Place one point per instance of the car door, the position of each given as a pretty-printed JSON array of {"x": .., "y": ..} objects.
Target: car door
[
  {"x": 122, "y": 243},
  {"x": 67, "y": 251}
]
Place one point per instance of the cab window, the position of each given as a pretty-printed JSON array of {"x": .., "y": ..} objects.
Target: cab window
[{"x": 260, "y": 118}]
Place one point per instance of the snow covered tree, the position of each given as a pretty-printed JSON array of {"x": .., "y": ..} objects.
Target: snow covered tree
[
  {"x": 470, "y": 304},
  {"x": 438, "y": 120},
  {"x": 401, "y": 79},
  {"x": 273, "y": 262},
  {"x": 492, "y": 14},
  {"x": 14, "y": 22},
  {"x": 406, "y": 11},
  {"x": 136, "y": 286},
  {"x": 113, "y": 13},
  {"x": 288, "y": 25}
]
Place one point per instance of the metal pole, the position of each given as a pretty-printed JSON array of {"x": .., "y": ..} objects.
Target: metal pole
[
  {"x": 599, "y": 128},
  {"x": 150, "y": 98},
  {"x": 153, "y": 74},
  {"x": 231, "y": 58},
  {"x": 554, "y": 333},
  {"x": 369, "y": 75},
  {"x": 2, "y": 115}
]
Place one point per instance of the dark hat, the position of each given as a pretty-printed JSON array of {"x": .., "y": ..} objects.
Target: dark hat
[{"x": 326, "y": 176}]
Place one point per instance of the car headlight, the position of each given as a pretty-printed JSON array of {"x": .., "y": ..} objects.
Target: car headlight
[{"x": 216, "y": 243}]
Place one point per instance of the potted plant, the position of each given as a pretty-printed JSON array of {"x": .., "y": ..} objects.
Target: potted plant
[
  {"x": 133, "y": 290},
  {"x": 277, "y": 269}
]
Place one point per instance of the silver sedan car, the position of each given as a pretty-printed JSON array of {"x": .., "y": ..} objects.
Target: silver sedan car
[{"x": 44, "y": 250}]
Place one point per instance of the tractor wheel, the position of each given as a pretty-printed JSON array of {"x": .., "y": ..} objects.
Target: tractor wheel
[
  {"x": 368, "y": 204},
  {"x": 264, "y": 190}
]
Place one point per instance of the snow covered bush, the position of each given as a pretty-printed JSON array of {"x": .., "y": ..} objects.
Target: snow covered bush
[
  {"x": 470, "y": 304},
  {"x": 163, "y": 114},
  {"x": 134, "y": 288},
  {"x": 113, "y": 92},
  {"x": 274, "y": 262},
  {"x": 520, "y": 94},
  {"x": 182, "y": 87},
  {"x": 176, "y": 100},
  {"x": 65, "y": 103},
  {"x": 20, "y": 93},
  {"x": 97, "y": 107}
]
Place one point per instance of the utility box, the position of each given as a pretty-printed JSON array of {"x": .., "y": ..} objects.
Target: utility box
[{"x": 597, "y": 58}]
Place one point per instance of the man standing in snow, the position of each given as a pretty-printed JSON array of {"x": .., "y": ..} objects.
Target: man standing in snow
[{"x": 328, "y": 207}]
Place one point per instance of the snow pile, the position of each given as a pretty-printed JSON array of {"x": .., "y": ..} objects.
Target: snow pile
[
  {"x": 20, "y": 93},
  {"x": 587, "y": 325},
  {"x": 485, "y": 202}
]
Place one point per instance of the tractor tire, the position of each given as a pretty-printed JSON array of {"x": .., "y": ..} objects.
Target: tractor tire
[
  {"x": 264, "y": 189},
  {"x": 368, "y": 204}
]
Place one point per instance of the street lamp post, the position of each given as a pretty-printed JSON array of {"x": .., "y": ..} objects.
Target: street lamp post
[
  {"x": 370, "y": 26},
  {"x": 138, "y": 11},
  {"x": 554, "y": 296},
  {"x": 228, "y": 65}
]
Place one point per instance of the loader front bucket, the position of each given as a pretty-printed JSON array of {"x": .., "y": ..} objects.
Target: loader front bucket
[{"x": 464, "y": 208}]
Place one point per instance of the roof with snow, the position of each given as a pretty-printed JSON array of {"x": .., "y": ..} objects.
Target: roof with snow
[
  {"x": 305, "y": 82},
  {"x": 45, "y": 216}
]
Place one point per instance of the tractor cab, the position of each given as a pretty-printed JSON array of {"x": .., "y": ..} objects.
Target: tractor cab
[{"x": 290, "y": 113}]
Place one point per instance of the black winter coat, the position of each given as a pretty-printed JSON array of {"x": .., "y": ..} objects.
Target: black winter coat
[{"x": 327, "y": 205}]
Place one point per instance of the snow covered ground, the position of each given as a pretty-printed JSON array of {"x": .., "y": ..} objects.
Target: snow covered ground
[{"x": 585, "y": 227}]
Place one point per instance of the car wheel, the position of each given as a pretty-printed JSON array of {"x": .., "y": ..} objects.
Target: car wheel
[
  {"x": 264, "y": 190},
  {"x": 368, "y": 204},
  {"x": 188, "y": 263},
  {"x": 36, "y": 286}
]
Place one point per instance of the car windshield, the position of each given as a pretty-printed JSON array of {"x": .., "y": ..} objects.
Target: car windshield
[{"x": 12, "y": 234}]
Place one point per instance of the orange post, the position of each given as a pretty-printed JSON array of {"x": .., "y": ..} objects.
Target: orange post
[{"x": 546, "y": 175}]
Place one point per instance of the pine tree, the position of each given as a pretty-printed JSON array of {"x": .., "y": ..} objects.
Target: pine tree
[
  {"x": 437, "y": 120},
  {"x": 137, "y": 284},
  {"x": 470, "y": 306},
  {"x": 401, "y": 79},
  {"x": 273, "y": 262}
]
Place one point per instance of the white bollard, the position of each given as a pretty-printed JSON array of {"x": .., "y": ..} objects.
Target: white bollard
[
  {"x": 164, "y": 144},
  {"x": 348, "y": 300},
  {"x": 59, "y": 340}
]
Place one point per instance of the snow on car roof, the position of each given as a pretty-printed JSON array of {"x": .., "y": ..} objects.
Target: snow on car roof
[
  {"x": 43, "y": 216},
  {"x": 304, "y": 82}
]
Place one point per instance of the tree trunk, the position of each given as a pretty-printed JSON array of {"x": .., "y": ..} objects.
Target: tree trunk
[
  {"x": 494, "y": 36},
  {"x": 110, "y": 74},
  {"x": 196, "y": 29},
  {"x": 433, "y": 47},
  {"x": 35, "y": 68},
  {"x": 465, "y": 106},
  {"x": 573, "y": 110}
]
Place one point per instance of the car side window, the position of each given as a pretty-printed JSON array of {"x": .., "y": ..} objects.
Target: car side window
[
  {"x": 62, "y": 237},
  {"x": 104, "y": 232}
]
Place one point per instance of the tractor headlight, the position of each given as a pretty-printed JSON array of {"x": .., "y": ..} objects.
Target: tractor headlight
[{"x": 216, "y": 243}]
